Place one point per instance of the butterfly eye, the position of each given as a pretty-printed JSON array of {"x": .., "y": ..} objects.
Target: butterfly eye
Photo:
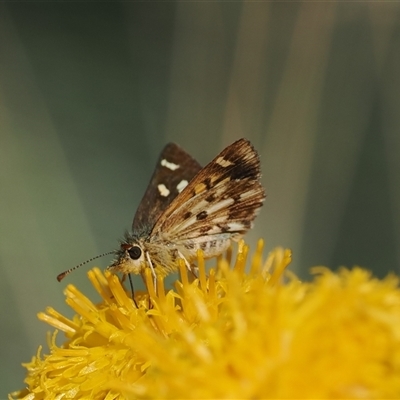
[{"x": 135, "y": 252}]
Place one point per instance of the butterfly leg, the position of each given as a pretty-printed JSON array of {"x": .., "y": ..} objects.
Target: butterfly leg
[
  {"x": 133, "y": 292},
  {"x": 153, "y": 272},
  {"x": 195, "y": 271},
  {"x": 188, "y": 266},
  {"x": 191, "y": 268}
]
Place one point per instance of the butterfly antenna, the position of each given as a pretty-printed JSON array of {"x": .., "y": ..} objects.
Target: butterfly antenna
[{"x": 61, "y": 276}]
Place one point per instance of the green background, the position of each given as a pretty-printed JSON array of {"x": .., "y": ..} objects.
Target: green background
[{"x": 90, "y": 93}]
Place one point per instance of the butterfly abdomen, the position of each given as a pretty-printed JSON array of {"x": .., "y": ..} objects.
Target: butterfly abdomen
[{"x": 210, "y": 248}]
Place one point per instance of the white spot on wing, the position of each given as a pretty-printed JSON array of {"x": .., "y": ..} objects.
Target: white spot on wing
[
  {"x": 181, "y": 185},
  {"x": 235, "y": 226},
  {"x": 163, "y": 190},
  {"x": 165, "y": 163},
  {"x": 223, "y": 162}
]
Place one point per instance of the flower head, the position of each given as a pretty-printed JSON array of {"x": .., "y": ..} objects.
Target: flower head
[{"x": 231, "y": 334}]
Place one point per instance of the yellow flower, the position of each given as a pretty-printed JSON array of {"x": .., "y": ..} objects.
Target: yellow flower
[{"x": 231, "y": 334}]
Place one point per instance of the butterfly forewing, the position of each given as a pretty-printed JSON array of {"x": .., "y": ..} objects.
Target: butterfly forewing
[
  {"x": 220, "y": 202},
  {"x": 174, "y": 170}
]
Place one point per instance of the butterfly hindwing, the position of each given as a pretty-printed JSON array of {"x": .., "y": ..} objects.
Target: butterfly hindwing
[
  {"x": 222, "y": 200},
  {"x": 174, "y": 170}
]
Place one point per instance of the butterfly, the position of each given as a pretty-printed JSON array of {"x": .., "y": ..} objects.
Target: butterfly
[{"x": 187, "y": 207}]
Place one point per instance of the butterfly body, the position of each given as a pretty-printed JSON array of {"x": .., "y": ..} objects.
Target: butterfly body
[
  {"x": 187, "y": 207},
  {"x": 163, "y": 254}
]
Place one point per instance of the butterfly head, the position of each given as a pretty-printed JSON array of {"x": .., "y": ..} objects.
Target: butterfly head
[{"x": 130, "y": 257}]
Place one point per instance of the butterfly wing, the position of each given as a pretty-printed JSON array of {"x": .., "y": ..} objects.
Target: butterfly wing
[
  {"x": 219, "y": 203},
  {"x": 174, "y": 170}
]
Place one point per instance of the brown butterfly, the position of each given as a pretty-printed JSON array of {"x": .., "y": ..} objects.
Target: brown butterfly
[{"x": 187, "y": 207}]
